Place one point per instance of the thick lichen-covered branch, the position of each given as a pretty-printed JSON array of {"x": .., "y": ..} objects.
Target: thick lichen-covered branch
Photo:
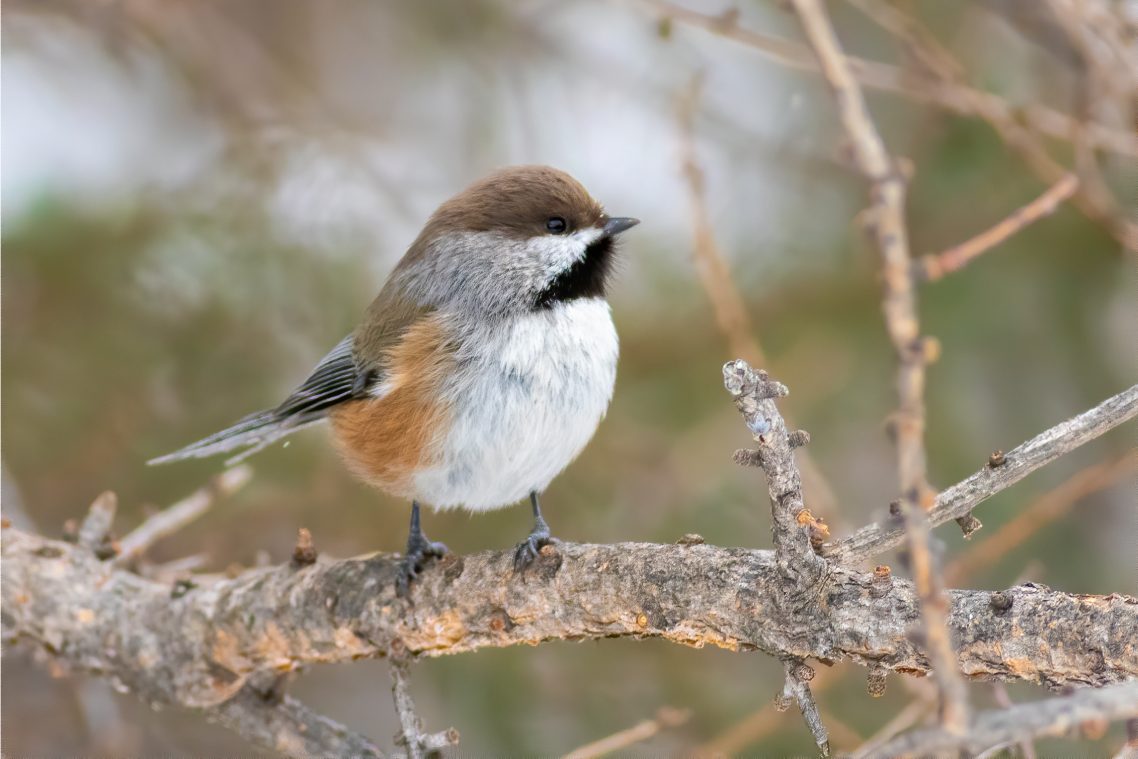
[{"x": 198, "y": 646}]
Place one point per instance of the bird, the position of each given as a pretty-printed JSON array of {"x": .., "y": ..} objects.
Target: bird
[{"x": 480, "y": 371}]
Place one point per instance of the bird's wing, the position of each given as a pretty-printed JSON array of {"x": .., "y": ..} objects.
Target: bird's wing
[
  {"x": 348, "y": 372},
  {"x": 337, "y": 378}
]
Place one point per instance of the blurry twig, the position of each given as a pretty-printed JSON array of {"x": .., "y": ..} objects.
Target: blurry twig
[
  {"x": 1094, "y": 201},
  {"x": 1000, "y": 693},
  {"x": 726, "y": 301},
  {"x": 1053, "y": 717},
  {"x": 1129, "y": 749},
  {"x": 842, "y": 736},
  {"x": 1050, "y": 507},
  {"x": 1016, "y": 464},
  {"x": 889, "y": 232},
  {"x": 951, "y": 96},
  {"x": 174, "y": 518},
  {"x": 906, "y": 718},
  {"x": 934, "y": 266},
  {"x": 666, "y": 718},
  {"x": 286, "y": 726}
]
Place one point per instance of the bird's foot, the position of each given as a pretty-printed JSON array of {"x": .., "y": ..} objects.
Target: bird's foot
[
  {"x": 420, "y": 550},
  {"x": 528, "y": 550}
]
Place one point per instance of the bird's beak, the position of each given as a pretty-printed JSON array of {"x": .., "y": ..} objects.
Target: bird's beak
[{"x": 617, "y": 224}]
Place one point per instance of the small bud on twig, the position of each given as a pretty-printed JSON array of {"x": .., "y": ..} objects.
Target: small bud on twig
[
  {"x": 798, "y": 438},
  {"x": 304, "y": 554},
  {"x": 875, "y": 682}
]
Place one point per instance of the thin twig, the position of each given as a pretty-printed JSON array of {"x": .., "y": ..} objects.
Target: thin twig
[
  {"x": 714, "y": 275},
  {"x": 950, "y": 96},
  {"x": 929, "y": 583},
  {"x": 794, "y": 528},
  {"x": 1129, "y": 749},
  {"x": 288, "y": 727},
  {"x": 1097, "y": 204},
  {"x": 666, "y": 718},
  {"x": 411, "y": 737},
  {"x": 936, "y": 265},
  {"x": 905, "y": 719},
  {"x": 797, "y": 688},
  {"x": 174, "y": 518},
  {"x": 759, "y": 723},
  {"x": 1053, "y": 717},
  {"x": 726, "y": 301},
  {"x": 1000, "y": 693},
  {"x": 961, "y": 498},
  {"x": 1043, "y": 511},
  {"x": 900, "y": 306}
]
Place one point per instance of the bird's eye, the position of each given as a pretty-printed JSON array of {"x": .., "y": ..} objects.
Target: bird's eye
[{"x": 557, "y": 225}]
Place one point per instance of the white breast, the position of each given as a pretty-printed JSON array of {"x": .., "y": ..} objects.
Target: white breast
[{"x": 527, "y": 398}]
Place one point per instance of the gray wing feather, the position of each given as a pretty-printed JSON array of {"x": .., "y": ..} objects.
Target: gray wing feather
[{"x": 336, "y": 379}]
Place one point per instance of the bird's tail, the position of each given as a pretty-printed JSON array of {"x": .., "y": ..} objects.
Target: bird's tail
[{"x": 253, "y": 433}]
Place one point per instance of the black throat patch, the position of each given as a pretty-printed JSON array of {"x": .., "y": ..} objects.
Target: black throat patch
[{"x": 584, "y": 279}]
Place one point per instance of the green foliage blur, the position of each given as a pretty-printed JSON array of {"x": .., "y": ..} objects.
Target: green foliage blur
[{"x": 141, "y": 313}]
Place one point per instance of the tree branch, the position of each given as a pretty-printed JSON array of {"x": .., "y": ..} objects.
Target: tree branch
[
  {"x": 170, "y": 520},
  {"x": 198, "y": 649},
  {"x": 1053, "y": 717},
  {"x": 1019, "y": 462},
  {"x": 890, "y": 233},
  {"x": 285, "y": 725},
  {"x": 934, "y": 266},
  {"x": 953, "y": 97}
]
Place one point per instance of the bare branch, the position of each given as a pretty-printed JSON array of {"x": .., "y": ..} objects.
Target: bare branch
[
  {"x": 174, "y": 518},
  {"x": 1094, "y": 200},
  {"x": 1129, "y": 749},
  {"x": 412, "y": 737},
  {"x": 1019, "y": 462},
  {"x": 906, "y": 718},
  {"x": 889, "y": 231},
  {"x": 666, "y": 718},
  {"x": 726, "y": 301},
  {"x": 796, "y": 688},
  {"x": 951, "y": 96},
  {"x": 927, "y": 578},
  {"x": 199, "y": 648},
  {"x": 289, "y": 727},
  {"x": 1053, "y": 717},
  {"x": 934, "y": 266},
  {"x": 791, "y": 521},
  {"x": 1043, "y": 511}
]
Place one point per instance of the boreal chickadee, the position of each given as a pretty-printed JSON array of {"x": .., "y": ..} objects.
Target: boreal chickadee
[{"x": 482, "y": 368}]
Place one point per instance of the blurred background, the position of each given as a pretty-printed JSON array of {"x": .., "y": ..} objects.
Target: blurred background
[{"x": 200, "y": 198}]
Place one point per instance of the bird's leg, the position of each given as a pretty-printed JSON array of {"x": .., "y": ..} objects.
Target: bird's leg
[
  {"x": 419, "y": 549},
  {"x": 539, "y": 536}
]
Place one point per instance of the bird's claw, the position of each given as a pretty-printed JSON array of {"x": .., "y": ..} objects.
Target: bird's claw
[
  {"x": 529, "y": 549},
  {"x": 419, "y": 552}
]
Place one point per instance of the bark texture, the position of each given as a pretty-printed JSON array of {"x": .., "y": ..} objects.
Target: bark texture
[{"x": 198, "y": 649}]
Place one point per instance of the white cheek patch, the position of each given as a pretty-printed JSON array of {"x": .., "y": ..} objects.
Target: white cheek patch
[{"x": 556, "y": 253}]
